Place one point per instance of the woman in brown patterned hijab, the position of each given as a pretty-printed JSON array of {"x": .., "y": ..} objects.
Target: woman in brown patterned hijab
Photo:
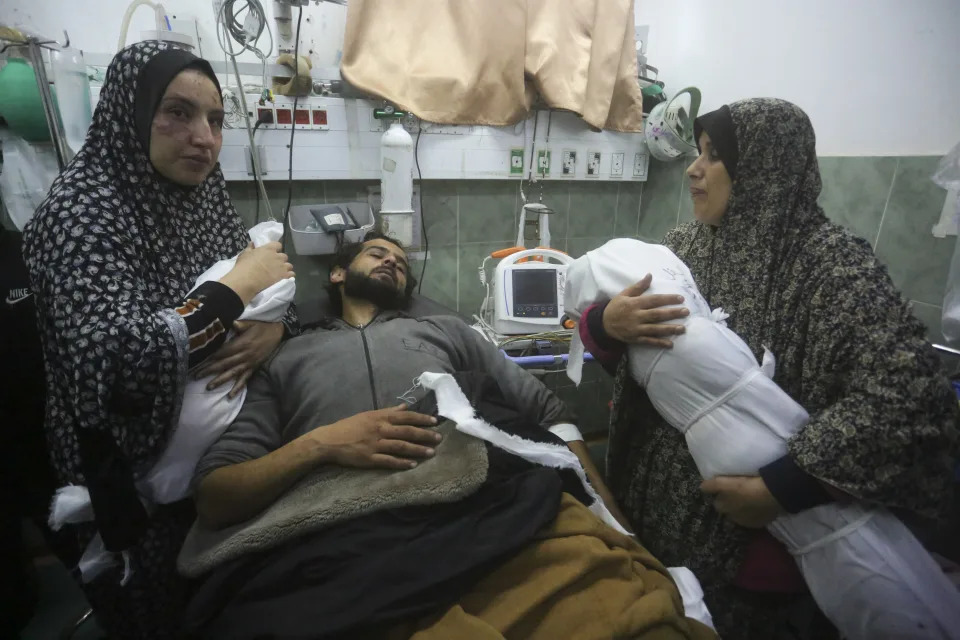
[{"x": 883, "y": 427}]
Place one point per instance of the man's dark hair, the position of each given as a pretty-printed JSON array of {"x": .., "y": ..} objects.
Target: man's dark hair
[{"x": 344, "y": 258}]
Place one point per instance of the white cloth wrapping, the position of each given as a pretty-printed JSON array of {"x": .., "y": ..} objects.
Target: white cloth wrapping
[
  {"x": 453, "y": 404},
  {"x": 204, "y": 415},
  {"x": 867, "y": 572},
  {"x": 691, "y": 592},
  {"x": 596, "y": 280}
]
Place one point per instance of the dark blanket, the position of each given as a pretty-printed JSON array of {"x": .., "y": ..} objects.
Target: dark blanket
[{"x": 395, "y": 563}]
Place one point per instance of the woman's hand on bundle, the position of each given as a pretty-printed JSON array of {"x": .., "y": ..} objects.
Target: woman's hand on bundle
[
  {"x": 256, "y": 269},
  {"x": 238, "y": 358},
  {"x": 635, "y": 318},
  {"x": 744, "y": 499}
]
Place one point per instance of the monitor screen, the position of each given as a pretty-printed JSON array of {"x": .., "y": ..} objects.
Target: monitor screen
[{"x": 535, "y": 287}]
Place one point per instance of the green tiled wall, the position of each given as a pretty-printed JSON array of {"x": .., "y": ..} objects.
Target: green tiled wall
[{"x": 890, "y": 201}]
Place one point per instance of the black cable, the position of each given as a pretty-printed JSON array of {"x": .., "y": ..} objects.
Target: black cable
[
  {"x": 533, "y": 144},
  {"x": 256, "y": 215},
  {"x": 293, "y": 128},
  {"x": 423, "y": 222}
]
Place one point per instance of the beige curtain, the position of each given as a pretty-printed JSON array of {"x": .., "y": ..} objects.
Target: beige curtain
[{"x": 484, "y": 61}]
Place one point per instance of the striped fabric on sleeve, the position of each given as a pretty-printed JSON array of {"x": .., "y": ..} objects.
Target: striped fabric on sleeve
[
  {"x": 605, "y": 350},
  {"x": 209, "y": 311}
]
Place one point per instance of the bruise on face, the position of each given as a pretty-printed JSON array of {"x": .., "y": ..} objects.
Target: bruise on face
[{"x": 186, "y": 133}]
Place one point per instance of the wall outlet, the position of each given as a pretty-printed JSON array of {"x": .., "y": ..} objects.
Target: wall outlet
[
  {"x": 593, "y": 164},
  {"x": 569, "y": 163},
  {"x": 268, "y": 117},
  {"x": 639, "y": 165},
  {"x": 616, "y": 165},
  {"x": 543, "y": 161},
  {"x": 516, "y": 162},
  {"x": 261, "y": 156}
]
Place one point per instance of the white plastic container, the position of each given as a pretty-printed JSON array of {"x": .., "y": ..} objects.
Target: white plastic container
[
  {"x": 73, "y": 95},
  {"x": 396, "y": 170}
]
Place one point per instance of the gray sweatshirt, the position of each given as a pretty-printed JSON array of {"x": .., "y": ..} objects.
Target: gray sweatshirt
[{"x": 328, "y": 374}]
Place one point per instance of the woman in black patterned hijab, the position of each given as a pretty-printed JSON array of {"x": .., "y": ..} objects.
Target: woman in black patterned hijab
[
  {"x": 113, "y": 253},
  {"x": 883, "y": 427}
]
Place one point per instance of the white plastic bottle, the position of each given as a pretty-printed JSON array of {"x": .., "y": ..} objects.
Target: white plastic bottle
[{"x": 396, "y": 183}]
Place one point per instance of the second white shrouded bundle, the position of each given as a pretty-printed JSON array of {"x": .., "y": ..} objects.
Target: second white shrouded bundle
[{"x": 867, "y": 572}]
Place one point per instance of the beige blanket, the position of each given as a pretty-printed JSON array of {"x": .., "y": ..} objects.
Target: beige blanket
[
  {"x": 483, "y": 61},
  {"x": 337, "y": 494},
  {"x": 578, "y": 579}
]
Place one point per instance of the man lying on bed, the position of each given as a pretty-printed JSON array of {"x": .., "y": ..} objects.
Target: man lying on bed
[{"x": 332, "y": 509}]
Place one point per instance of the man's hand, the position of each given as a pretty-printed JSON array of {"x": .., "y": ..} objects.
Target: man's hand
[
  {"x": 386, "y": 438},
  {"x": 744, "y": 499},
  {"x": 237, "y": 359},
  {"x": 635, "y": 318}
]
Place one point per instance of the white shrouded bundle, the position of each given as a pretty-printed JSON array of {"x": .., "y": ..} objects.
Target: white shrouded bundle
[
  {"x": 204, "y": 416},
  {"x": 867, "y": 572}
]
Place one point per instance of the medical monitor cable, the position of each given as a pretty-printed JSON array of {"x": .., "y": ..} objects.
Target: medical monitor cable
[{"x": 225, "y": 41}]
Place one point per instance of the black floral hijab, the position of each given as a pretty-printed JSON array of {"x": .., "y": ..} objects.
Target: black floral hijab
[
  {"x": 741, "y": 264},
  {"x": 883, "y": 420},
  {"x": 112, "y": 252}
]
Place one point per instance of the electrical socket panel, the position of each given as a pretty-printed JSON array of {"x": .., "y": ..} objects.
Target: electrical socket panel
[
  {"x": 516, "y": 162},
  {"x": 268, "y": 114},
  {"x": 486, "y": 153},
  {"x": 616, "y": 165},
  {"x": 543, "y": 162},
  {"x": 639, "y": 165},
  {"x": 318, "y": 118},
  {"x": 261, "y": 156},
  {"x": 283, "y": 118},
  {"x": 569, "y": 168},
  {"x": 593, "y": 164}
]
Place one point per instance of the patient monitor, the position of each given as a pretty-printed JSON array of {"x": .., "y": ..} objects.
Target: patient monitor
[{"x": 528, "y": 291}]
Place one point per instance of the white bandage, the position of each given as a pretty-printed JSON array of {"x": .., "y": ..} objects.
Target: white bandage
[{"x": 566, "y": 431}]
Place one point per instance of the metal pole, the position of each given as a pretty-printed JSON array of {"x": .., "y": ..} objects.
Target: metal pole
[
  {"x": 254, "y": 152},
  {"x": 49, "y": 108},
  {"x": 945, "y": 349}
]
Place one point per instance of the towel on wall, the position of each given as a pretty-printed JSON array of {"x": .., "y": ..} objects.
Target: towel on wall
[{"x": 468, "y": 63}]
